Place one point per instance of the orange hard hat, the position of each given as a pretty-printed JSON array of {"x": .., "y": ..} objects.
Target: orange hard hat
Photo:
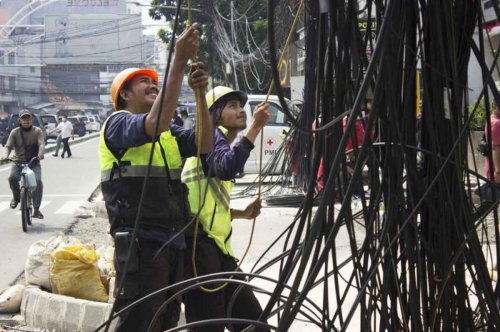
[{"x": 126, "y": 75}]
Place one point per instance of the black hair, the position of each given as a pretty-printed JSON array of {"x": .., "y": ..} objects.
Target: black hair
[
  {"x": 121, "y": 103},
  {"x": 219, "y": 105}
]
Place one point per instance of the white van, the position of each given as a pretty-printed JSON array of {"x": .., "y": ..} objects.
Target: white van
[
  {"x": 273, "y": 131},
  {"x": 92, "y": 124}
]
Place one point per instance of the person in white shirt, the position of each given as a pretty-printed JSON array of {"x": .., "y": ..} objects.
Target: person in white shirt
[
  {"x": 66, "y": 129},
  {"x": 188, "y": 123}
]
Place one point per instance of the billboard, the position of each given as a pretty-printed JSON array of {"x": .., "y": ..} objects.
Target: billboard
[{"x": 92, "y": 39}]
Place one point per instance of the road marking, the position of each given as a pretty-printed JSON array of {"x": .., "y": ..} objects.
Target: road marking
[
  {"x": 69, "y": 207},
  {"x": 44, "y": 204},
  {"x": 4, "y": 206}
]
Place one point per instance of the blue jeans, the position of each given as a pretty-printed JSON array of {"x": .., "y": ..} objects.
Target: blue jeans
[{"x": 15, "y": 177}]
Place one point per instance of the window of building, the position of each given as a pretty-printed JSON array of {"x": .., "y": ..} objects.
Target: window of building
[
  {"x": 2, "y": 82},
  {"x": 2, "y": 55},
  {"x": 12, "y": 58},
  {"x": 12, "y": 83},
  {"x": 32, "y": 69}
]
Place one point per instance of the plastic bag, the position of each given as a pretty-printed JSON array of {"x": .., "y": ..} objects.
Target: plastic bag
[
  {"x": 10, "y": 300},
  {"x": 30, "y": 179},
  {"x": 73, "y": 272},
  {"x": 105, "y": 262},
  {"x": 37, "y": 266}
]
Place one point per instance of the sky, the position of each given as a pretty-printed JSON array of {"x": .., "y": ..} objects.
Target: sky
[{"x": 151, "y": 25}]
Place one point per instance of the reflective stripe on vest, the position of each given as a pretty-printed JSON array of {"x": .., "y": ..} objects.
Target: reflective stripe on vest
[
  {"x": 215, "y": 214},
  {"x": 215, "y": 184},
  {"x": 136, "y": 158}
]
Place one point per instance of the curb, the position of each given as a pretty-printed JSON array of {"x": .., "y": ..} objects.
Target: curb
[
  {"x": 52, "y": 146},
  {"x": 63, "y": 313}
]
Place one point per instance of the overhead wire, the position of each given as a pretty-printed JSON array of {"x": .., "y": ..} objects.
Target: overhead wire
[{"x": 414, "y": 236}]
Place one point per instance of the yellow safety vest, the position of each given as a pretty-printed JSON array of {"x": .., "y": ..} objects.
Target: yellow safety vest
[
  {"x": 122, "y": 176},
  {"x": 215, "y": 213}
]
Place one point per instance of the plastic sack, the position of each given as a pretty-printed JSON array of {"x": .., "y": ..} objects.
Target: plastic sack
[
  {"x": 73, "y": 272},
  {"x": 105, "y": 262},
  {"x": 10, "y": 300},
  {"x": 37, "y": 266},
  {"x": 30, "y": 179}
]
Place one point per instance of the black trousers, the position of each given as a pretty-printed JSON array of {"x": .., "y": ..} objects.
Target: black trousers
[
  {"x": 66, "y": 147},
  {"x": 201, "y": 305},
  {"x": 152, "y": 275}
]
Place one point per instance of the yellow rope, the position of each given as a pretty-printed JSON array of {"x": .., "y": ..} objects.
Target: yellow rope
[
  {"x": 199, "y": 125},
  {"x": 198, "y": 134},
  {"x": 190, "y": 18}
]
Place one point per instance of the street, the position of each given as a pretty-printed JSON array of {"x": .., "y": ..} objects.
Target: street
[{"x": 67, "y": 183}]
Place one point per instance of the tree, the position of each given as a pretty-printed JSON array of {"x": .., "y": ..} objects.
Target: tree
[{"x": 229, "y": 35}]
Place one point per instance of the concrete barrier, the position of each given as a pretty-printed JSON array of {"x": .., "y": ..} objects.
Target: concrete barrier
[{"x": 62, "y": 313}]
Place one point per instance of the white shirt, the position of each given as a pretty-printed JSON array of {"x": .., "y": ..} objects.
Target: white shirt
[
  {"x": 188, "y": 123},
  {"x": 66, "y": 128}
]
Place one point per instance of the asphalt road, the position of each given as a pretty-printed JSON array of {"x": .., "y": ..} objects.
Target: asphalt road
[{"x": 67, "y": 183}]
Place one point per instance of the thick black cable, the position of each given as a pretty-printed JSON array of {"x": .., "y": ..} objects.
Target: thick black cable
[{"x": 148, "y": 171}]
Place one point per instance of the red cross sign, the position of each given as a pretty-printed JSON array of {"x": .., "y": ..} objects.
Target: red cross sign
[{"x": 269, "y": 142}]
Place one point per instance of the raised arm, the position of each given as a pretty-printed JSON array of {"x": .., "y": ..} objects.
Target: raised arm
[
  {"x": 186, "y": 47},
  {"x": 260, "y": 118}
]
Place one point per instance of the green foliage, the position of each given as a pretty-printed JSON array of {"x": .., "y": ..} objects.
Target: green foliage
[
  {"x": 202, "y": 13},
  {"x": 479, "y": 117}
]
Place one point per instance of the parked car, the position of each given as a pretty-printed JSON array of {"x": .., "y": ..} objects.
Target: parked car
[
  {"x": 92, "y": 124},
  {"x": 50, "y": 122},
  {"x": 13, "y": 122},
  {"x": 78, "y": 125},
  {"x": 273, "y": 131}
]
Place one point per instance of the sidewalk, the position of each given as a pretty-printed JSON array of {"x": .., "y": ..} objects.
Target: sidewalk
[
  {"x": 60, "y": 313},
  {"x": 53, "y": 312}
]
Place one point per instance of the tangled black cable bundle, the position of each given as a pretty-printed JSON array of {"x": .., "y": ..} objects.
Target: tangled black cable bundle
[{"x": 420, "y": 243}]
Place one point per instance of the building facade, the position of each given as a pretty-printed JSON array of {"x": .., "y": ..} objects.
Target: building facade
[{"x": 65, "y": 53}]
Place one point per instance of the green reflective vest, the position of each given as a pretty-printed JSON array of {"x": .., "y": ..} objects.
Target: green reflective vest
[
  {"x": 215, "y": 214},
  {"x": 122, "y": 177}
]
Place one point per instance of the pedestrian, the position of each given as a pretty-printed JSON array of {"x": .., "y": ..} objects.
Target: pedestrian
[
  {"x": 212, "y": 248},
  {"x": 58, "y": 139},
  {"x": 124, "y": 149},
  {"x": 355, "y": 140},
  {"x": 187, "y": 122},
  {"x": 28, "y": 142},
  {"x": 492, "y": 172},
  {"x": 177, "y": 120},
  {"x": 65, "y": 127}
]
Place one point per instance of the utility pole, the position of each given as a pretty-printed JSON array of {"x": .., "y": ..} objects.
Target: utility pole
[{"x": 236, "y": 86}]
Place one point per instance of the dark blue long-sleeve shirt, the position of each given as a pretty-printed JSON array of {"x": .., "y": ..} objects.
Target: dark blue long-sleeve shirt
[
  {"x": 227, "y": 161},
  {"x": 126, "y": 130}
]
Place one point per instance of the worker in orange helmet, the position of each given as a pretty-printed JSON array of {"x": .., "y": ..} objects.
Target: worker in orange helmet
[{"x": 124, "y": 150}]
